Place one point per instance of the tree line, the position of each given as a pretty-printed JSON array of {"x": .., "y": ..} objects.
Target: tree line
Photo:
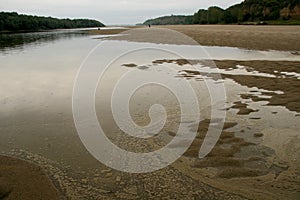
[
  {"x": 12, "y": 21},
  {"x": 173, "y": 19},
  {"x": 247, "y": 11}
]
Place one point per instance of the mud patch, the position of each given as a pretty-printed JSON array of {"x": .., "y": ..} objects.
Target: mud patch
[
  {"x": 19, "y": 178},
  {"x": 243, "y": 108},
  {"x": 250, "y": 162},
  {"x": 129, "y": 65},
  {"x": 179, "y": 62}
]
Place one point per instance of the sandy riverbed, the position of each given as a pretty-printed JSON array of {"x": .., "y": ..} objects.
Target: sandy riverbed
[
  {"x": 248, "y": 162},
  {"x": 285, "y": 38},
  {"x": 23, "y": 180}
]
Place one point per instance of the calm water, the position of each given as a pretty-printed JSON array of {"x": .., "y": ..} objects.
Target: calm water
[{"x": 38, "y": 70}]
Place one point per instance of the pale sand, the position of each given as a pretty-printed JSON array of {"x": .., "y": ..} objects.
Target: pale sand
[{"x": 285, "y": 38}]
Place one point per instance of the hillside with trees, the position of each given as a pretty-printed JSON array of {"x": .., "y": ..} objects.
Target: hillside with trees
[
  {"x": 173, "y": 19},
  {"x": 275, "y": 11},
  {"x": 12, "y": 21}
]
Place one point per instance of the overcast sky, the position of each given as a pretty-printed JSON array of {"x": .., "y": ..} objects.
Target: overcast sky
[{"x": 110, "y": 11}]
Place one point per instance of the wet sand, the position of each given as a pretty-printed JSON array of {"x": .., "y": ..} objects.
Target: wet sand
[
  {"x": 246, "y": 163},
  {"x": 252, "y": 171},
  {"x": 23, "y": 180},
  {"x": 288, "y": 84},
  {"x": 107, "y": 31}
]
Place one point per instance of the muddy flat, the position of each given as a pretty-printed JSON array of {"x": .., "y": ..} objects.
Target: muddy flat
[{"x": 23, "y": 180}]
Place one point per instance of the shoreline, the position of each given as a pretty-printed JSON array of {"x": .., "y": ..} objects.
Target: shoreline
[{"x": 268, "y": 37}]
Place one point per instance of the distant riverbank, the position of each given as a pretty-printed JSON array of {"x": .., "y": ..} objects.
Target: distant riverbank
[
  {"x": 272, "y": 12},
  {"x": 14, "y": 22}
]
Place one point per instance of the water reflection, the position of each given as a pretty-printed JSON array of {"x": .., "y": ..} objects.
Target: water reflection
[{"x": 17, "y": 41}]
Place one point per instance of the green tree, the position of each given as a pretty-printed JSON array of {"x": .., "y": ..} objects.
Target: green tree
[
  {"x": 201, "y": 17},
  {"x": 215, "y": 15},
  {"x": 12, "y": 21}
]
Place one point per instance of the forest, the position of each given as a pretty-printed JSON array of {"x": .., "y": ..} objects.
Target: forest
[
  {"x": 12, "y": 21},
  {"x": 282, "y": 11}
]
